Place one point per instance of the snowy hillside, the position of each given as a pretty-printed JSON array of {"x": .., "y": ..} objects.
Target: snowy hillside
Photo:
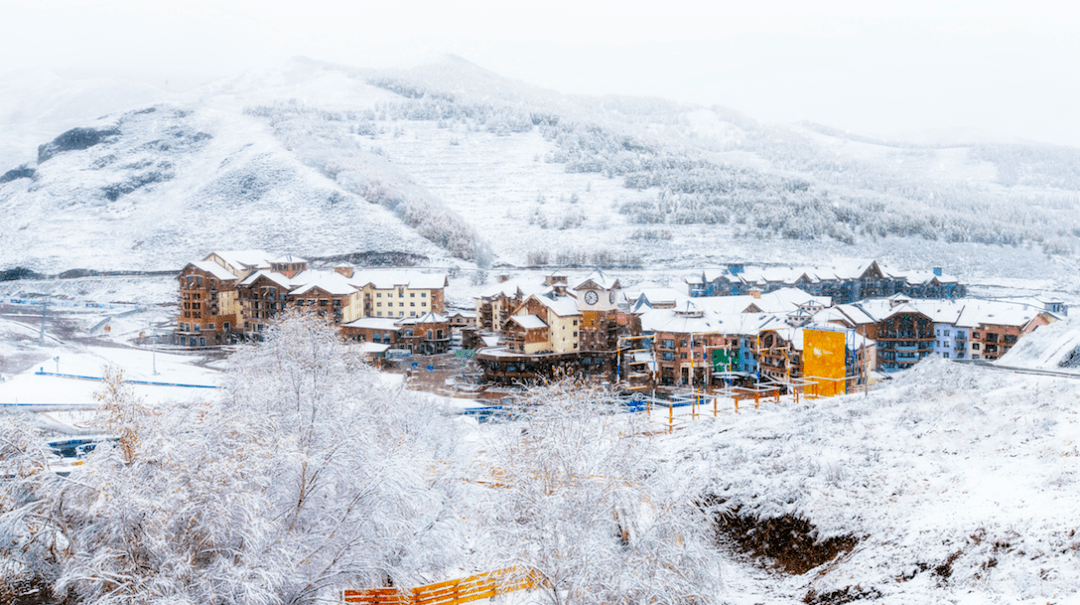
[
  {"x": 1053, "y": 347},
  {"x": 447, "y": 160},
  {"x": 952, "y": 483}
]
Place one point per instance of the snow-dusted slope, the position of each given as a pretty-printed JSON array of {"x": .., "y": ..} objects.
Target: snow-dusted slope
[
  {"x": 956, "y": 484},
  {"x": 1053, "y": 347},
  {"x": 446, "y": 159}
]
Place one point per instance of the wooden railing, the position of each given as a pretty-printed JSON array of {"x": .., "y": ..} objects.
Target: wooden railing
[{"x": 452, "y": 592}]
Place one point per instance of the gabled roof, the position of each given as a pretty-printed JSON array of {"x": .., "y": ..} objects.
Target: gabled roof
[
  {"x": 425, "y": 318},
  {"x": 331, "y": 282},
  {"x": 277, "y": 278},
  {"x": 212, "y": 268},
  {"x": 563, "y": 306},
  {"x": 460, "y": 313},
  {"x": 598, "y": 280},
  {"x": 240, "y": 259},
  {"x": 288, "y": 258},
  {"x": 529, "y": 322}
]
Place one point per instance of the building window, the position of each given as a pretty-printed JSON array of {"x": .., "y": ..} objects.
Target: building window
[
  {"x": 379, "y": 313},
  {"x": 423, "y": 295},
  {"x": 401, "y": 304},
  {"x": 412, "y": 294},
  {"x": 946, "y": 332},
  {"x": 412, "y": 304},
  {"x": 210, "y": 326},
  {"x": 975, "y": 346},
  {"x": 974, "y": 356},
  {"x": 225, "y": 326},
  {"x": 378, "y": 304},
  {"x": 575, "y": 334},
  {"x": 575, "y": 322},
  {"x": 974, "y": 334},
  {"x": 378, "y": 295}
]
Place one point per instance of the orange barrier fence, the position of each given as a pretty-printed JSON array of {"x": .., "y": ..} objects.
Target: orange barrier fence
[{"x": 452, "y": 592}]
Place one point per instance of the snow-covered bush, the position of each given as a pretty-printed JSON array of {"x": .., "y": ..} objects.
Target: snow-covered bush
[{"x": 589, "y": 513}]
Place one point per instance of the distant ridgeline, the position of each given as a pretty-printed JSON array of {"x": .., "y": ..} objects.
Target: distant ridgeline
[{"x": 844, "y": 283}]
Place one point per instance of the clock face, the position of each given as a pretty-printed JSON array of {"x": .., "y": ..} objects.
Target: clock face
[
  {"x": 611, "y": 297},
  {"x": 591, "y": 298}
]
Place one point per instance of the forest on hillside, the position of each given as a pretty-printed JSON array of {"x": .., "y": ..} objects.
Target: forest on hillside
[{"x": 809, "y": 192}]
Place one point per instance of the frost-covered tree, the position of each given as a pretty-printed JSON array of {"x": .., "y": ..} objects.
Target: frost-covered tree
[
  {"x": 589, "y": 513},
  {"x": 307, "y": 477},
  {"x": 356, "y": 496}
]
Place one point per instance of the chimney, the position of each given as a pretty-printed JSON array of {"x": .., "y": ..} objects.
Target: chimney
[{"x": 345, "y": 270}]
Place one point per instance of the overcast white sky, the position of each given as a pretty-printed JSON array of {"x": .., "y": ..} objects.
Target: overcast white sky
[{"x": 870, "y": 67}]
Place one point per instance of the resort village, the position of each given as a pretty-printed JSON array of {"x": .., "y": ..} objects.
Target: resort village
[{"x": 834, "y": 328}]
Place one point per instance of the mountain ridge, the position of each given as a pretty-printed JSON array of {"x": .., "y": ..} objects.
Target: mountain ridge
[{"x": 459, "y": 164}]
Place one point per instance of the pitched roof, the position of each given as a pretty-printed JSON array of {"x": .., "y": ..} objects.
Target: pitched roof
[
  {"x": 213, "y": 269},
  {"x": 242, "y": 258},
  {"x": 529, "y": 322},
  {"x": 425, "y": 318},
  {"x": 288, "y": 258},
  {"x": 278, "y": 278},
  {"x": 563, "y": 306},
  {"x": 330, "y": 282},
  {"x": 599, "y": 279}
]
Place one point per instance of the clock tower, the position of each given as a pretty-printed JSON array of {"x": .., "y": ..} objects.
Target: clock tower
[{"x": 598, "y": 301}]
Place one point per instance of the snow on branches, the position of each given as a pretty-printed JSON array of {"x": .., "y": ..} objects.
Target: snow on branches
[{"x": 587, "y": 511}]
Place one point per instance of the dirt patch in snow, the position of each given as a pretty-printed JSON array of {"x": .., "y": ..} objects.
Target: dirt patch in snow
[
  {"x": 1071, "y": 360},
  {"x": 789, "y": 542},
  {"x": 848, "y": 594}
]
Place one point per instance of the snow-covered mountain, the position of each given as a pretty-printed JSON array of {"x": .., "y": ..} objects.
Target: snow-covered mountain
[{"x": 451, "y": 162}]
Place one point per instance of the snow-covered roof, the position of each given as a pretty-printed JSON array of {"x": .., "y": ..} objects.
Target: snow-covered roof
[
  {"x": 330, "y": 282},
  {"x": 460, "y": 313},
  {"x": 529, "y": 322},
  {"x": 387, "y": 279},
  {"x": 842, "y": 270},
  {"x": 600, "y": 280},
  {"x": 288, "y": 258},
  {"x": 242, "y": 258},
  {"x": 426, "y": 318},
  {"x": 996, "y": 313},
  {"x": 373, "y": 323},
  {"x": 563, "y": 306},
  {"x": 373, "y": 348},
  {"x": 213, "y": 269},
  {"x": 278, "y": 278}
]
